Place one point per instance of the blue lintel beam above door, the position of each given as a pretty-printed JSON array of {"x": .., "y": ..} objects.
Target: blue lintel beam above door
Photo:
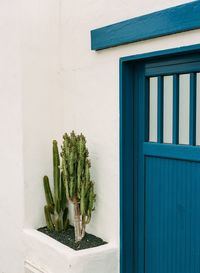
[{"x": 168, "y": 21}]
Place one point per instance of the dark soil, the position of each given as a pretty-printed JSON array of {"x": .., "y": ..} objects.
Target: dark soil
[{"x": 67, "y": 238}]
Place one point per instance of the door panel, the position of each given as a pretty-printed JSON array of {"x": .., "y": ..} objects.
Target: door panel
[
  {"x": 171, "y": 168},
  {"x": 172, "y": 213},
  {"x": 160, "y": 185}
]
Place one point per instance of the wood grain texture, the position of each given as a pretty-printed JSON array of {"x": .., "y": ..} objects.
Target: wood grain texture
[
  {"x": 172, "y": 216},
  {"x": 168, "y": 21}
]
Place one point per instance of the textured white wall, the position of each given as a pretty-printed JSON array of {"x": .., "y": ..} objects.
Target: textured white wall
[
  {"x": 42, "y": 98},
  {"x": 31, "y": 110},
  {"x": 11, "y": 193}
]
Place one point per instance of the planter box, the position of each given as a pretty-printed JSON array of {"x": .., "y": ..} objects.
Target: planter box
[{"x": 45, "y": 254}]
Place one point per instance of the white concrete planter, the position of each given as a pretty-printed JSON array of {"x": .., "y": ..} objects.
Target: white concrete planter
[{"x": 46, "y": 255}]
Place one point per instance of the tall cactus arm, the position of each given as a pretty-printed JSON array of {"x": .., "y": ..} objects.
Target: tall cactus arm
[
  {"x": 79, "y": 172},
  {"x": 92, "y": 198},
  {"x": 66, "y": 144},
  {"x": 56, "y": 175},
  {"x": 65, "y": 177},
  {"x": 83, "y": 200},
  {"x": 71, "y": 187},
  {"x": 90, "y": 208},
  {"x": 81, "y": 146},
  {"x": 73, "y": 138},
  {"x": 71, "y": 161},
  {"x": 87, "y": 170},
  {"x": 56, "y": 208},
  {"x": 48, "y": 194},
  {"x": 63, "y": 193}
]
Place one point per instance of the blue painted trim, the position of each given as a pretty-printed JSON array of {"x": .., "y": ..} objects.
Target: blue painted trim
[
  {"x": 126, "y": 65},
  {"x": 160, "y": 110},
  {"x": 184, "y": 152},
  {"x": 171, "y": 69},
  {"x": 175, "y": 131},
  {"x": 168, "y": 21},
  {"x": 121, "y": 174},
  {"x": 167, "y": 52},
  {"x": 126, "y": 168},
  {"x": 139, "y": 166},
  {"x": 146, "y": 103},
  {"x": 192, "y": 109}
]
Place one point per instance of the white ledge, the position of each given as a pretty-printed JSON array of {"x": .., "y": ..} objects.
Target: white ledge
[{"x": 50, "y": 256}]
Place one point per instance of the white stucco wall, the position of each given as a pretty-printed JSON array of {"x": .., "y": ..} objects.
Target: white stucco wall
[
  {"x": 51, "y": 82},
  {"x": 31, "y": 116},
  {"x": 42, "y": 99},
  {"x": 11, "y": 192}
]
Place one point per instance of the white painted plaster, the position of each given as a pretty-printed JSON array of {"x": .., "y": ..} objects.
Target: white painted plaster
[
  {"x": 11, "y": 192},
  {"x": 42, "y": 99},
  {"x": 50, "y": 256}
]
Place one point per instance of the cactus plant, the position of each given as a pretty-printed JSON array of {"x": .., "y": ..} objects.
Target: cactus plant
[
  {"x": 56, "y": 209},
  {"x": 76, "y": 175}
]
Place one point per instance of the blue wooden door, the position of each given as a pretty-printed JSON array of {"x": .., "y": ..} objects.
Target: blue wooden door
[{"x": 166, "y": 164}]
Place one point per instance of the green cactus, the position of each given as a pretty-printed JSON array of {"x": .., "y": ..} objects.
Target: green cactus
[
  {"x": 56, "y": 209},
  {"x": 76, "y": 174}
]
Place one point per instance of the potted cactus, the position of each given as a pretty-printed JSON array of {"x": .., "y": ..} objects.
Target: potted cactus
[
  {"x": 72, "y": 184},
  {"x": 56, "y": 210},
  {"x": 79, "y": 186}
]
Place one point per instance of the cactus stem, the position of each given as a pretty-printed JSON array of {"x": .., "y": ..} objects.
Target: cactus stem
[
  {"x": 76, "y": 174},
  {"x": 49, "y": 222},
  {"x": 56, "y": 208}
]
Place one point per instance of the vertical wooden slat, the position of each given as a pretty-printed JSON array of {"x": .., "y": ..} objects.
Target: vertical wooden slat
[
  {"x": 175, "y": 109},
  {"x": 160, "y": 110},
  {"x": 126, "y": 165},
  {"x": 192, "y": 109},
  {"x": 146, "y": 103},
  {"x": 198, "y": 108}
]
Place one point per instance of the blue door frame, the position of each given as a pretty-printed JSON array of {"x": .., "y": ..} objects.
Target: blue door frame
[{"x": 132, "y": 127}]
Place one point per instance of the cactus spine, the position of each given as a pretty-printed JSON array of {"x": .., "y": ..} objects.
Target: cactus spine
[
  {"x": 56, "y": 209},
  {"x": 76, "y": 174}
]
